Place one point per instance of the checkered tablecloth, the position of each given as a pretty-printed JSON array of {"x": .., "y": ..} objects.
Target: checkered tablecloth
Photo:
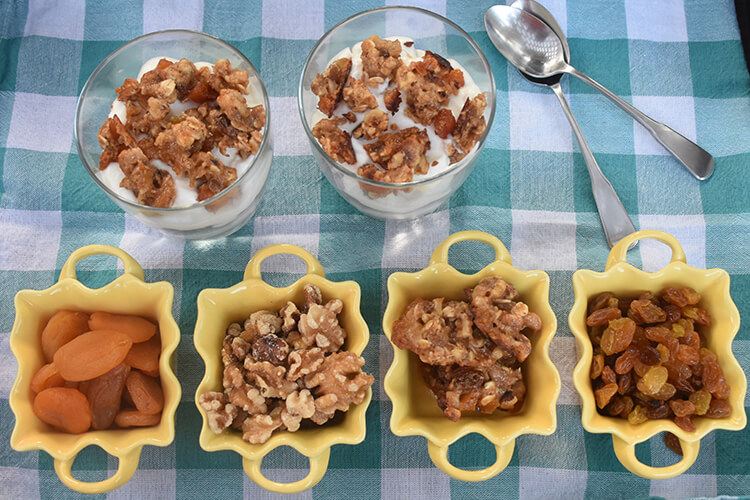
[{"x": 679, "y": 61}]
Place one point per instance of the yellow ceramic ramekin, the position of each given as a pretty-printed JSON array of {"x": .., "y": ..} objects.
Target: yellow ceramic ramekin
[
  {"x": 621, "y": 278},
  {"x": 218, "y": 308},
  {"x": 128, "y": 294},
  {"x": 415, "y": 411}
]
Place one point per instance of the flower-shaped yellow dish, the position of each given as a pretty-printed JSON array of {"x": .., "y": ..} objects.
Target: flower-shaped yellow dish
[
  {"x": 128, "y": 294},
  {"x": 415, "y": 411},
  {"x": 621, "y": 278},
  {"x": 217, "y": 308}
]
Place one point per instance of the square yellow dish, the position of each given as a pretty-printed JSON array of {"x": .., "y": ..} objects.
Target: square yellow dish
[
  {"x": 218, "y": 308},
  {"x": 415, "y": 410},
  {"x": 623, "y": 279},
  {"x": 128, "y": 294}
]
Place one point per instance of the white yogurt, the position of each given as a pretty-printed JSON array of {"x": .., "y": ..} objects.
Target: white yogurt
[
  {"x": 437, "y": 153},
  {"x": 112, "y": 176}
]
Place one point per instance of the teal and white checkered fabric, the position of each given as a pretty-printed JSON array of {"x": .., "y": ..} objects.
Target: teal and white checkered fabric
[{"x": 678, "y": 60}]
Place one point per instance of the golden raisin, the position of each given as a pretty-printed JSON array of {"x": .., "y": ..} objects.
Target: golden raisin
[
  {"x": 701, "y": 400},
  {"x": 638, "y": 415},
  {"x": 617, "y": 336},
  {"x": 653, "y": 380},
  {"x": 597, "y": 363},
  {"x": 604, "y": 394}
]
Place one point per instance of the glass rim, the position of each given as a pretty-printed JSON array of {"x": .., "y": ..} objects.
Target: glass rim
[
  {"x": 117, "y": 52},
  {"x": 392, "y": 185}
]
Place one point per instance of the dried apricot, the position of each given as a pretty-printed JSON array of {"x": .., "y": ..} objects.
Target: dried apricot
[
  {"x": 61, "y": 328},
  {"x": 63, "y": 408},
  {"x": 92, "y": 354},
  {"x": 145, "y": 392},
  {"x": 134, "y": 418},
  {"x": 144, "y": 356},
  {"x": 45, "y": 377},
  {"x": 139, "y": 329},
  {"x": 105, "y": 395}
]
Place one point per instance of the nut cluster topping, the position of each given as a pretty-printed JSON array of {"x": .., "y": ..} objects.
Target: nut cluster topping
[
  {"x": 424, "y": 86},
  {"x": 283, "y": 368},
  {"x": 471, "y": 350},
  {"x": 220, "y": 119},
  {"x": 650, "y": 361}
]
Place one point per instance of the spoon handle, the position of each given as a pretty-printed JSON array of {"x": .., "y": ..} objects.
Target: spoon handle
[
  {"x": 615, "y": 219},
  {"x": 696, "y": 159}
]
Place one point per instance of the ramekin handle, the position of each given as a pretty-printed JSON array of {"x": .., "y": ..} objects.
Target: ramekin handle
[
  {"x": 318, "y": 468},
  {"x": 440, "y": 255},
  {"x": 626, "y": 455},
  {"x": 128, "y": 463},
  {"x": 439, "y": 456},
  {"x": 619, "y": 252},
  {"x": 252, "y": 271},
  {"x": 130, "y": 265}
]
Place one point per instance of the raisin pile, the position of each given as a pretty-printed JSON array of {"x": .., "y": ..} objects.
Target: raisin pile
[{"x": 650, "y": 361}]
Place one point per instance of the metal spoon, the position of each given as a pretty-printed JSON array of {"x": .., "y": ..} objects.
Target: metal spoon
[
  {"x": 614, "y": 217},
  {"x": 552, "y": 57}
]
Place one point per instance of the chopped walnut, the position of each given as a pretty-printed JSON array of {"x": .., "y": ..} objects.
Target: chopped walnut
[
  {"x": 258, "y": 428},
  {"x": 313, "y": 295},
  {"x": 470, "y": 126},
  {"x": 304, "y": 362},
  {"x": 329, "y": 85},
  {"x": 371, "y": 171},
  {"x": 221, "y": 413},
  {"x": 150, "y": 185},
  {"x": 299, "y": 405},
  {"x": 290, "y": 314},
  {"x": 358, "y": 97},
  {"x": 334, "y": 141},
  {"x": 320, "y": 326},
  {"x": 375, "y": 122},
  {"x": 380, "y": 59},
  {"x": 341, "y": 375},
  {"x": 269, "y": 379}
]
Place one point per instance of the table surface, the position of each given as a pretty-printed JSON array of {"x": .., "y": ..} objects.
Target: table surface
[{"x": 679, "y": 61}]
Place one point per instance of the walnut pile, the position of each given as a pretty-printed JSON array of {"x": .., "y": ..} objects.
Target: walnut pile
[
  {"x": 219, "y": 119},
  {"x": 283, "y": 368},
  {"x": 363, "y": 109},
  {"x": 471, "y": 351}
]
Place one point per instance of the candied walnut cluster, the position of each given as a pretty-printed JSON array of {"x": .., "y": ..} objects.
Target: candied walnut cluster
[
  {"x": 286, "y": 367},
  {"x": 219, "y": 119},
  {"x": 424, "y": 86},
  {"x": 471, "y": 351},
  {"x": 650, "y": 361}
]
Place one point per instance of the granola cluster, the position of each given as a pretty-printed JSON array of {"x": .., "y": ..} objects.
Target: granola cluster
[
  {"x": 471, "y": 351},
  {"x": 424, "y": 87},
  {"x": 220, "y": 118},
  {"x": 286, "y": 367}
]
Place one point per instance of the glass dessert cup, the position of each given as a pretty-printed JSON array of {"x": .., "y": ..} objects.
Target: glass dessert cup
[
  {"x": 429, "y": 31},
  {"x": 128, "y": 294},
  {"x": 622, "y": 279},
  {"x": 214, "y": 217}
]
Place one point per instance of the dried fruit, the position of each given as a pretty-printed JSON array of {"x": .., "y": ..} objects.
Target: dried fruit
[
  {"x": 137, "y": 328},
  {"x": 63, "y": 408},
  {"x": 604, "y": 394},
  {"x": 134, "y": 418},
  {"x": 92, "y": 354},
  {"x": 617, "y": 336},
  {"x": 597, "y": 363},
  {"x": 638, "y": 415},
  {"x": 105, "y": 394},
  {"x": 673, "y": 443},
  {"x": 144, "y": 356},
  {"x": 682, "y": 408},
  {"x": 602, "y": 317},
  {"x": 718, "y": 408},
  {"x": 145, "y": 392},
  {"x": 45, "y": 377},
  {"x": 61, "y": 328},
  {"x": 653, "y": 380},
  {"x": 701, "y": 400}
]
